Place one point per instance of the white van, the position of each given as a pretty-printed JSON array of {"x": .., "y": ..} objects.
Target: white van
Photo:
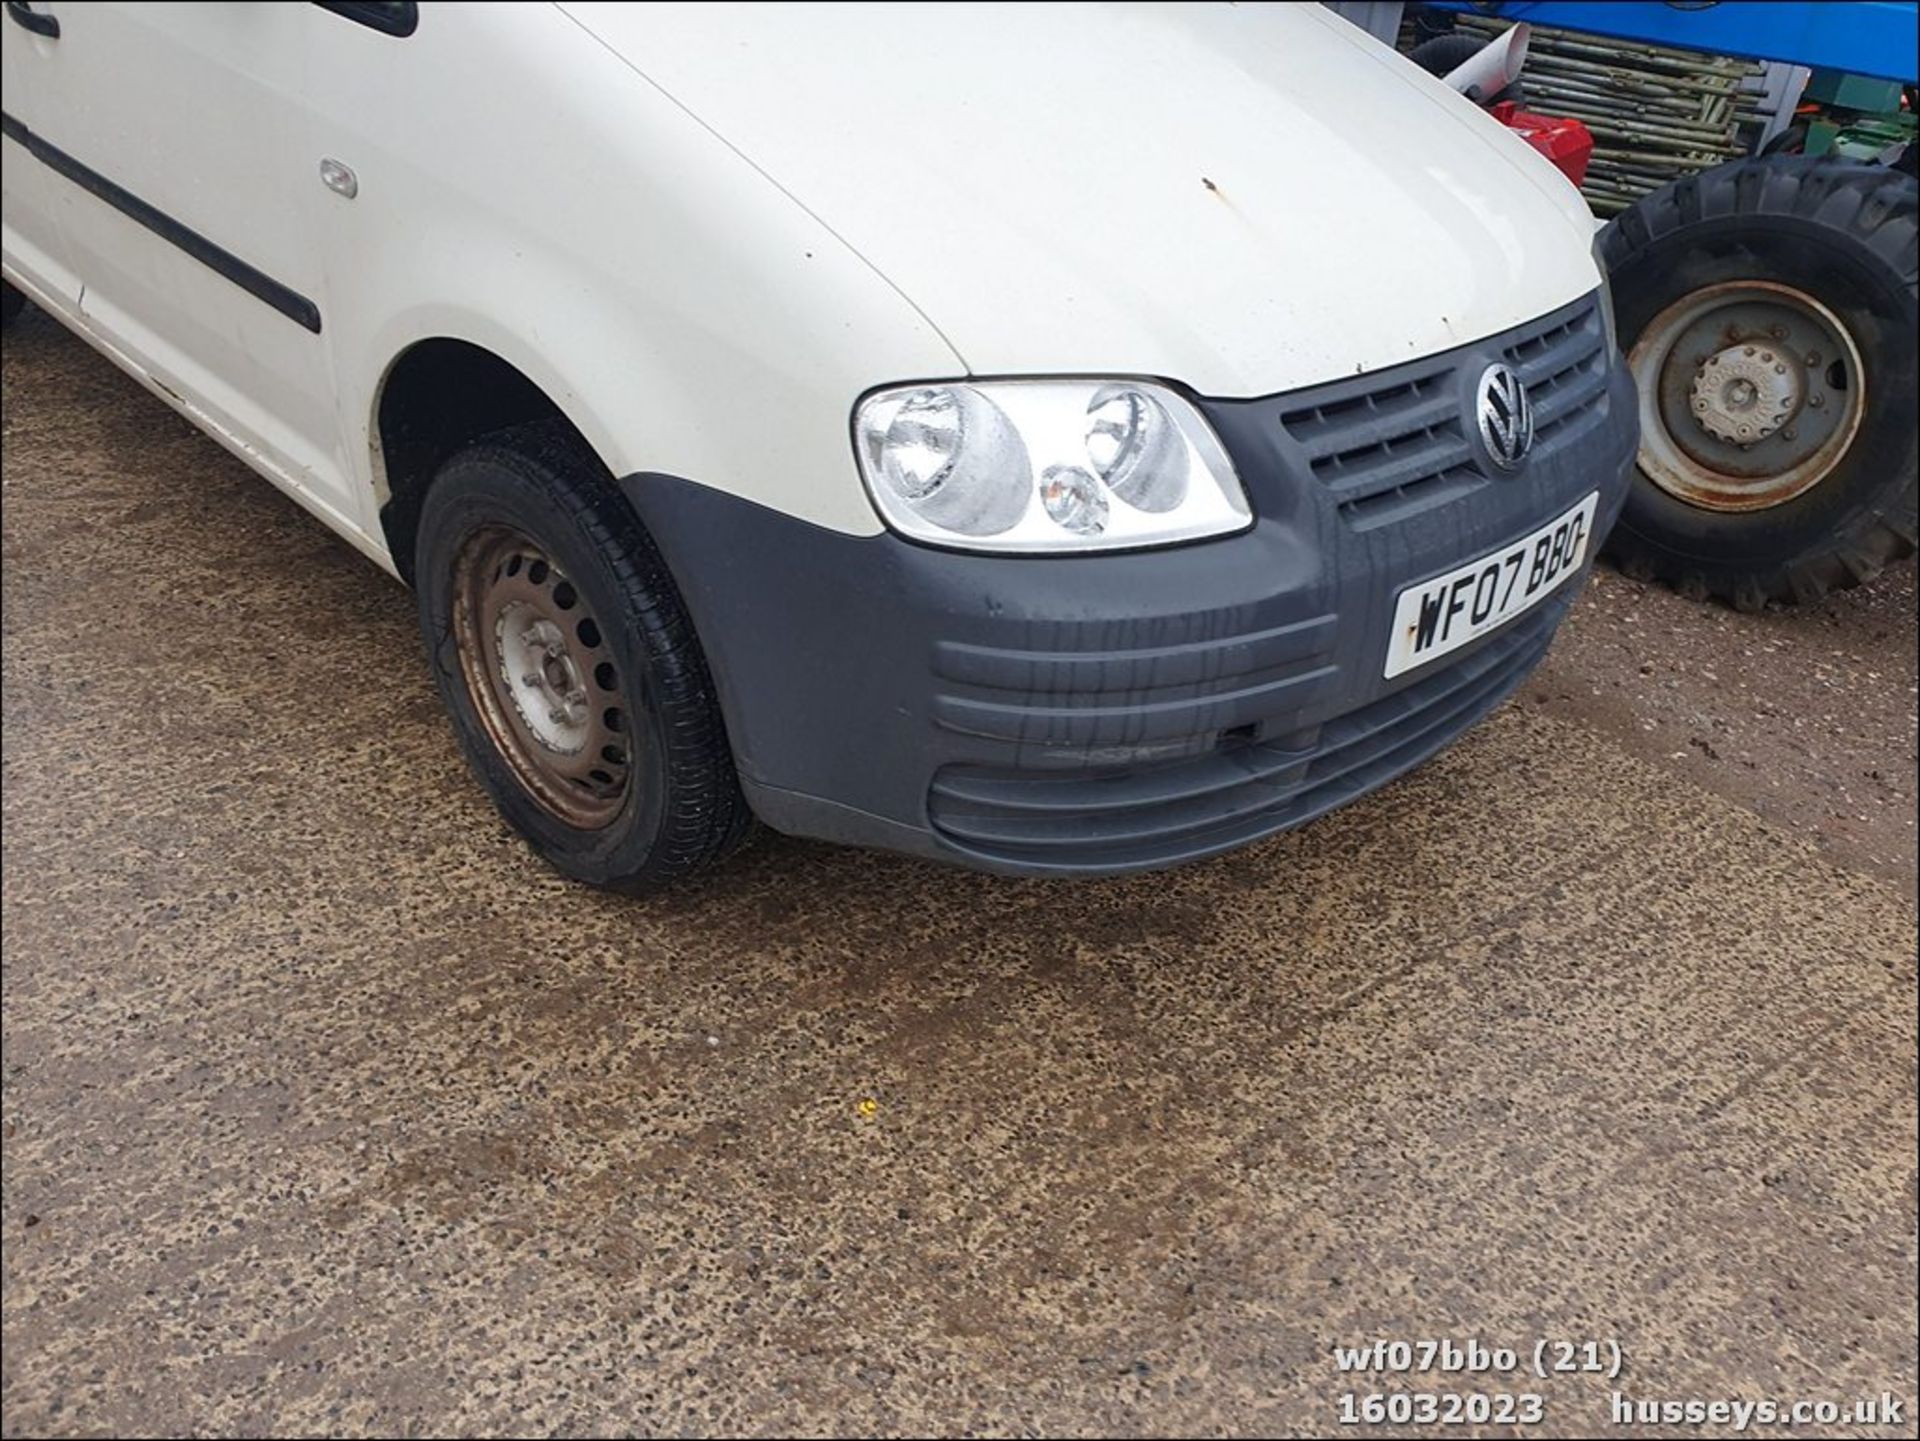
[{"x": 1056, "y": 439}]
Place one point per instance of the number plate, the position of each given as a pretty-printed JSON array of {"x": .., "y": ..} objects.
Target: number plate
[{"x": 1445, "y": 613}]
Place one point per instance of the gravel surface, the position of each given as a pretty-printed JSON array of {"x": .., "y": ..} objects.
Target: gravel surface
[
  {"x": 1805, "y": 716},
  {"x": 327, "y": 1108}
]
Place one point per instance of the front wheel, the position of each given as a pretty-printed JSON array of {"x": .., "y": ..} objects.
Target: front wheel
[
  {"x": 568, "y": 664},
  {"x": 1767, "y": 308}
]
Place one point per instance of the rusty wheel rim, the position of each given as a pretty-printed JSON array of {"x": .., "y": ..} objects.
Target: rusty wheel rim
[
  {"x": 1750, "y": 394},
  {"x": 541, "y": 677}
]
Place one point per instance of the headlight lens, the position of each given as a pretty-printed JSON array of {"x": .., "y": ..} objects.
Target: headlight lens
[
  {"x": 954, "y": 457},
  {"x": 1135, "y": 448},
  {"x": 1046, "y": 465},
  {"x": 921, "y": 444}
]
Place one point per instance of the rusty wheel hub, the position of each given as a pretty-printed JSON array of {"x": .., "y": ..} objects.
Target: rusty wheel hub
[
  {"x": 541, "y": 677},
  {"x": 1750, "y": 394}
]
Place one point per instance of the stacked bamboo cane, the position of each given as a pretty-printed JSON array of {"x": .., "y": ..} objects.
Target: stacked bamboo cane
[{"x": 1656, "y": 113}]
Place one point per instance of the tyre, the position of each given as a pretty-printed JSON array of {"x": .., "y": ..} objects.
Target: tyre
[
  {"x": 568, "y": 664},
  {"x": 1791, "y": 141},
  {"x": 1441, "y": 55},
  {"x": 1767, "y": 308},
  {"x": 12, "y": 302}
]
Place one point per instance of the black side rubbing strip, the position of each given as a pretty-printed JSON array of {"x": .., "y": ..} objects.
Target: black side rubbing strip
[
  {"x": 256, "y": 283},
  {"x": 27, "y": 18},
  {"x": 400, "y": 19}
]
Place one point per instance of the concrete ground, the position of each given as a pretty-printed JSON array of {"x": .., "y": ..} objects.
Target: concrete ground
[{"x": 328, "y": 1108}]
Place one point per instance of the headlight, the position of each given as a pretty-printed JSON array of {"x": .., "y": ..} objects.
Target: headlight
[
  {"x": 1046, "y": 465},
  {"x": 1606, "y": 303}
]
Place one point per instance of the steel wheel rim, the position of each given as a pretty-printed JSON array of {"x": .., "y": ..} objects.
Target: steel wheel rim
[
  {"x": 541, "y": 677},
  {"x": 1750, "y": 393}
]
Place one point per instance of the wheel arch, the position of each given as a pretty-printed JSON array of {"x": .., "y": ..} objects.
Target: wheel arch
[{"x": 438, "y": 394}]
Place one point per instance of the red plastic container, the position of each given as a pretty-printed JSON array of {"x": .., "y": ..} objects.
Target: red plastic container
[{"x": 1564, "y": 141}]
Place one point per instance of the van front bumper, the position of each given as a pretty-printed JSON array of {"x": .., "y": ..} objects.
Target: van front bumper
[{"x": 1104, "y": 713}]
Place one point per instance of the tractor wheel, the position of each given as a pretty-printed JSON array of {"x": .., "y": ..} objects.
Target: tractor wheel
[{"x": 1768, "y": 312}]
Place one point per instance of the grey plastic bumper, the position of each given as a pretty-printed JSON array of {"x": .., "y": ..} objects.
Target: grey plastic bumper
[{"x": 1097, "y": 714}]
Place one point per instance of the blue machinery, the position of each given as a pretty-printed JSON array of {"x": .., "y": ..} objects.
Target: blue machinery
[{"x": 1880, "y": 38}]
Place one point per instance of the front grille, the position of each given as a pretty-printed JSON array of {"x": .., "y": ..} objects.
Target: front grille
[
  {"x": 1385, "y": 453},
  {"x": 1564, "y": 368},
  {"x": 1157, "y": 814},
  {"x": 1399, "y": 447}
]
